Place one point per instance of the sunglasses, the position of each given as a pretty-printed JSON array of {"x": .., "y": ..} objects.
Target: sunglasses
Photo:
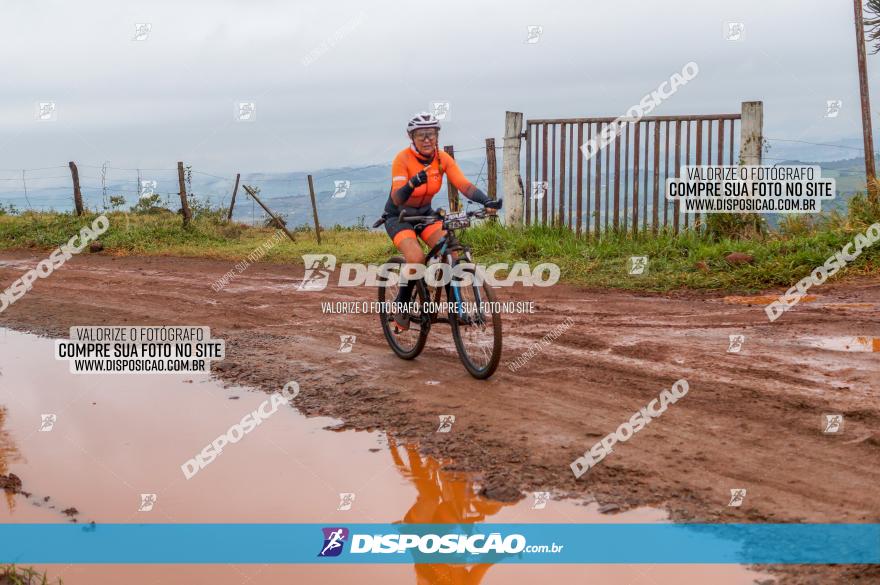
[{"x": 425, "y": 135}]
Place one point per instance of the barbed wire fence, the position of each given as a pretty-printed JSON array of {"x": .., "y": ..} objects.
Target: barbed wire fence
[{"x": 350, "y": 196}]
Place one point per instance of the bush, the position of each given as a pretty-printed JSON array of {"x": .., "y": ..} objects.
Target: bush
[
  {"x": 202, "y": 209},
  {"x": 231, "y": 230},
  {"x": 796, "y": 224},
  {"x": 116, "y": 201},
  {"x": 9, "y": 209},
  {"x": 148, "y": 204},
  {"x": 215, "y": 216},
  {"x": 738, "y": 226},
  {"x": 278, "y": 224},
  {"x": 863, "y": 212}
]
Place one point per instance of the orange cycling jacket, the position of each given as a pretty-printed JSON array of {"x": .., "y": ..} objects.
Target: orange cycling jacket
[{"x": 407, "y": 163}]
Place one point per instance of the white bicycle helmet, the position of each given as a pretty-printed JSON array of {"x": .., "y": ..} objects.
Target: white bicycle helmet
[{"x": 422, "y": 120}]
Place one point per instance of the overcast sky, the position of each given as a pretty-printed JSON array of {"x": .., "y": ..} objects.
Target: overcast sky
[{"x": 172, "y": 96}]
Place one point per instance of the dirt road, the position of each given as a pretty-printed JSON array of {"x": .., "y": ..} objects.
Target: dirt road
[{"x": 750, "y": 420}]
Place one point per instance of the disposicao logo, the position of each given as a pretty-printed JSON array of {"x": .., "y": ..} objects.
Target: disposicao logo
[
  {"x": 318, "y": 269},
  {"x": 428, "y": 544},
  {"x": 334, "y": 541}
]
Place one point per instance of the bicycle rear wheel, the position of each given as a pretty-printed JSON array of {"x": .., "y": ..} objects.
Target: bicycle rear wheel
[
  {"x": 410, "y": 343},
  {"x": 476, "y": 328}
]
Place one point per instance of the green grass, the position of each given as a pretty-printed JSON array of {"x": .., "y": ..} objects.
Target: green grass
[
  {"x": 164, "y": 234},
  {"x": 781, "y": 259},
  {"x": 672, "y": 260}
]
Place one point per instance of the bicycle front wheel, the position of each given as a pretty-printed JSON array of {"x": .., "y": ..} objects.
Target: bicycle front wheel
[
  {"x": 476, "y": 327},
  {"x": 410, "y": 343}
]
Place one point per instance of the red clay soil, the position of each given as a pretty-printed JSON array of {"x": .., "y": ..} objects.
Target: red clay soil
[{"x": 750, "y": 420}]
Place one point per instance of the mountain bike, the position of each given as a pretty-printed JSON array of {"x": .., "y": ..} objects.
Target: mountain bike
[{"x": 470, "y": 309}]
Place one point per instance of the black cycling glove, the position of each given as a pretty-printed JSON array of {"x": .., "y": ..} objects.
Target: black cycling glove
[
  {"x": 418, "y": 179},
  {"x": 496, "y": 204}
]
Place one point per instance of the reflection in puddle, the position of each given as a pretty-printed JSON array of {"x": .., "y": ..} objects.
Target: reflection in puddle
[
  {"x": 117, "y": 438},
  {"x": 442, "y": 498},
  {"x": 8, "y": 453}
]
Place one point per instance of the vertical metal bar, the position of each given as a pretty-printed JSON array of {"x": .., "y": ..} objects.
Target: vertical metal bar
[
  {"x": 553, "y": 175},
  {"x": 528, "y": 190},
  {"x": 617, "y": 179},
  {"x": 647, "y": 164},
  {"x": 580, "y": 176},
  {"x": 709, "y": 143},
  {"x": 626, "y": 182},
  {"x": 563, "y": 151},
  {"x": 676, "y": 207},
  {"x": 589, "y": 194},
  {"x": 666, "y": 176},
  {"x": 598, "y": 207},
  {"x": 571, "y": 152},
  {"x": 537, "y": 172},
  {"x": 698, "y": 160},
  {"x": 687, "y": 160},
  {"x": 656, "y": 203},
  {"x": 544, "y": 178},
  {"x": 636, "y": 178},
  {"x": 607, "y": 185},
  {"x": 720, "y": 142},
  {"x": 730, "y": 140}
]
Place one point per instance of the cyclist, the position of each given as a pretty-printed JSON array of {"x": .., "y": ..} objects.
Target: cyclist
[{"x": 416, "y": 176}]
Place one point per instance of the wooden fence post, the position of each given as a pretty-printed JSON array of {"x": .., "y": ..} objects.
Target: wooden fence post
[
  {"x": 491, "y": 169},
  {"x": 278, "y": 221},
  {"x": 751, "y": 147},
  {"x": 234, "y": 191},
  {"x": 184, "y": 204},
  {"x": 314, "y": 209},
  {"x": 77, "y": 194},
  {"x": 867, "y": 132},
  {"x": 751, "y": 133},
  {"x": 452, "y": 191},
  {"x": 511, "y": 181}
]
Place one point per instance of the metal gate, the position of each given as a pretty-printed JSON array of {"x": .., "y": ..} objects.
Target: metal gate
[{"x": 621, "y": 187}]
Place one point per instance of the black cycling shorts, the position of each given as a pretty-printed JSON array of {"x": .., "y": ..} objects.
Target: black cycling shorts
[{"x": 400, "y": 230}]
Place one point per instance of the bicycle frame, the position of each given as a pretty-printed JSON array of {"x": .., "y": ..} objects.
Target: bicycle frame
[
  {"x": 443, "y": 251},
  {"x": 466, "y": 322}
]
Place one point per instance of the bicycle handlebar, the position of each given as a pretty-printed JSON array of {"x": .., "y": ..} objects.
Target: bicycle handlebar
[
  {"x": 416, "y": 219},
  {"x": 479, "y": 214}
]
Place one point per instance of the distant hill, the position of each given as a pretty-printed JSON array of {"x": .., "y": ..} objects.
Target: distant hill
[
  {"x": 363, "y": 201},
  {"x": 834, "y": 151},
  {"x": 287, "y": 192},
  {"x": 849, "y": 174}
]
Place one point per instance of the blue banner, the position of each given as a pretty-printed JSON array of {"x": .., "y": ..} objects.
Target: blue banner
[{"x": 441, "y": 543}]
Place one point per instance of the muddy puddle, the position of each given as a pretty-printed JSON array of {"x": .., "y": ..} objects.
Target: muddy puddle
[
  {"x": 857, "y": 343},
  {"x": 112, "y": 448}
]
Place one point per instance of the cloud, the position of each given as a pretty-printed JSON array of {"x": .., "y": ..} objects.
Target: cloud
[{"x": 172, "y": 96}]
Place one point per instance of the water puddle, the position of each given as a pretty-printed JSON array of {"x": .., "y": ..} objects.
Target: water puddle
[
  {"x": 860, "y": 343},
  {"x": 762, "y": 299},
  {"x": 115, "y": 445},
  {"x": 871, "y": 306}
]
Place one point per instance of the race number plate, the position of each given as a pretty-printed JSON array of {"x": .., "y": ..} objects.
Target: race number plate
[{"x": 457, "y": 220}]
